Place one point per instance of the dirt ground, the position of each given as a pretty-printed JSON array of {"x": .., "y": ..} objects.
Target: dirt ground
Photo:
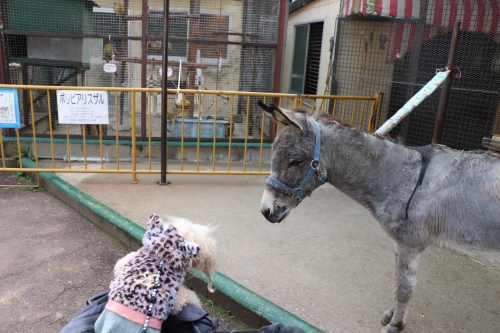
[{"x": 52, "y": 260}]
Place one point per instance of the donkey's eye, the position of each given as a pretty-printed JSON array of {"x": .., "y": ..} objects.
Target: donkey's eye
[{"x": 294, "y": 163}]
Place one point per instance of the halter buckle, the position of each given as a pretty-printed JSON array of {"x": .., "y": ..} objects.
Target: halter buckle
[{"x": 296, "y": 193}]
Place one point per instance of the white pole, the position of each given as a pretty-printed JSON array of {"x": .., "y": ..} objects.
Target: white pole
[{"x": 422, "y": 94}]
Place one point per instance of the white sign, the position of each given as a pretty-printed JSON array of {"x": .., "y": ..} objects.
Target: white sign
[
  {"x": 82, "y": 107},
  {"x": 109, "y": 68},
  {"x": 169, "y": 72},
  {"x": 9, "y": 109}
]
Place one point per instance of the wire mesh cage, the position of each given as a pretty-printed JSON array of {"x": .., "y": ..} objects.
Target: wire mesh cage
[
  {"x": 397, "y": 57},
  {"x": 223, "y": 45}
]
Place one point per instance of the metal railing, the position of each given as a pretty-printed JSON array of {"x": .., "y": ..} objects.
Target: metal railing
[{"x": 56, "y": 148}]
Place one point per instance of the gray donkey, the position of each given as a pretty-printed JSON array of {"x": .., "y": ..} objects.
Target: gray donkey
[{"x": 421, "y": 196}]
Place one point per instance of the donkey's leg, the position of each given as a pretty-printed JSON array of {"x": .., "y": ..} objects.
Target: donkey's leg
[{"x": 407, "y": 260}]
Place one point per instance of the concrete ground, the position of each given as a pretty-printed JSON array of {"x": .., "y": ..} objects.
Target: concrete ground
[
  {"x": 329, "y": 263},
  {"x": 53, "y": 259}
]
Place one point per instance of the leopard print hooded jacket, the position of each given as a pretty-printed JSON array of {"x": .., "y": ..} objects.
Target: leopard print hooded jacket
[{"x": 132, "y": 287}]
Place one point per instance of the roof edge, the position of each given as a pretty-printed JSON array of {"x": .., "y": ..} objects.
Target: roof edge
[{"x": 297, "y": 4}]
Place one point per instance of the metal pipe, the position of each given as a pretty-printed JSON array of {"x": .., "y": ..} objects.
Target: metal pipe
[
  {"x": 164, "y": 96},
  {"x": 137, "y": 38},
  {"x": 2, "y": 152},
  {"x": 51, "y": 135},
  {"x": 134, "y": 142},
  {"x": 150, "y": 131},
  {"x": 116, "y": 132},
  {"x": 445, "y": 89},
  {"x": 144, "y": 64},
  {"x": 194, "y": 26},
  {"x": 139, "y": 171},
  {"x": 33, "y": 128},
  {"x": 185, "y": 91},
  {"x": 4, "y": 68}
]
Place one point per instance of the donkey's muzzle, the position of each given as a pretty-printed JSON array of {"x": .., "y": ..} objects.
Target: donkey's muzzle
[{"x": 275, "y": 216}]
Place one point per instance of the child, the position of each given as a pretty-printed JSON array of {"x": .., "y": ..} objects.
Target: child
[{"x": 144, "y": 290}]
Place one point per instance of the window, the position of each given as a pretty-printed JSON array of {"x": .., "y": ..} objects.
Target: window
[
  {"x": 306, "y": 58},
  {"x": 211, "y": 27}
]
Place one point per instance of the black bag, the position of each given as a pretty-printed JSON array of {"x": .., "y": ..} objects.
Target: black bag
[
  {"x": 191, "y": 319},
  {"x": 273, "y": 328},
  {"x": 84, "y": 320}
]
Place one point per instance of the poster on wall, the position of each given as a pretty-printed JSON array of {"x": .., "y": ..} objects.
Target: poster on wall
[
  {"x": 9, "y": 109},
  {"x": 79, "y": 107}
]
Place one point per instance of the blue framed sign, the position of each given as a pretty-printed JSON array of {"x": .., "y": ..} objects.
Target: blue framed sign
[{"x": 9, "y": 108}]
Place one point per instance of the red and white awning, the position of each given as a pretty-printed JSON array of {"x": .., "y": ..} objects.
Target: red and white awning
[
  {"x": 387, "y": 8},
  {"x": 474, "y": 15}
]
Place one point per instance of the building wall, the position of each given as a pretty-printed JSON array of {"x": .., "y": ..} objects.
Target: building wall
[
  {"x": 351, "y": 58},
  {"x": 318, "y": 10}
]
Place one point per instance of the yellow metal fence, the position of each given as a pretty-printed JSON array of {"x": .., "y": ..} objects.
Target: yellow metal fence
[{"x": 55, "y": 147}]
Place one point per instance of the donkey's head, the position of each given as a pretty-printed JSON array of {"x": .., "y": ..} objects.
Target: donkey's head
[{"x": 295, "y": 169}]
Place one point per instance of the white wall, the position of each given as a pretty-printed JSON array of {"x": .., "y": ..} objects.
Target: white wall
[{"x": 318, "y": 10}]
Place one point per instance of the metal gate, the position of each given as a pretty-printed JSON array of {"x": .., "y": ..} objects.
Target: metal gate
[{"x": 211, "y": 146}]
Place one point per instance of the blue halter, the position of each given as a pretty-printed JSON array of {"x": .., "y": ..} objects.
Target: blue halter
[{"x": 298, "y": 192}]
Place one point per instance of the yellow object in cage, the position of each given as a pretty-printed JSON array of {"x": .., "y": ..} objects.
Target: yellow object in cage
[
  {"x": 109, "y": 50},
  {"x": 176, "y": 109}
]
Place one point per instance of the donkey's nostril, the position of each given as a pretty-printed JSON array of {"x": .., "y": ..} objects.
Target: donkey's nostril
[{"x": 265, "y": 211}]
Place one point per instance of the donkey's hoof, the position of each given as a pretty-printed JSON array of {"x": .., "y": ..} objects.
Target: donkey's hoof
[
  {"x": 386, "y": 317},
  {"x": 390, "y": 329}
]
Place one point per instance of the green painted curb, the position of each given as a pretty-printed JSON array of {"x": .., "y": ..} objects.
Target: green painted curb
[
  {"x": 107, "y": 213},
  {"x": 225, "y": 285},
  {"x": 256, "y": 303}
]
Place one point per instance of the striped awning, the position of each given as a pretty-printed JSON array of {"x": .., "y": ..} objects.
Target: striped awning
[
  {"x": 474, "y": 15},
  {"x": 407, "y": 9}
]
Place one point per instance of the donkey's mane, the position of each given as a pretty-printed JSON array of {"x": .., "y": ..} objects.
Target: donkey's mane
[{"x": 329, "y": 118}]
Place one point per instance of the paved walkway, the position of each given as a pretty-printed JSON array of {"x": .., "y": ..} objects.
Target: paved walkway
[
  {"x": 52, "y": 260},
  {"x": 328, "y": 263}
]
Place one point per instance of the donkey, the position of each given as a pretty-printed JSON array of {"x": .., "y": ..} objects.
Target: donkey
[{"x": 421, "y": 196}]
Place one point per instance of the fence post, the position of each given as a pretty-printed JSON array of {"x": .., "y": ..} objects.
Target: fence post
[
  {"x": 445, "y": 90},
  {"x": 164, "y": 96},
  {"x": 134, "y": 140},
  {"x": 144, "y": 64}
]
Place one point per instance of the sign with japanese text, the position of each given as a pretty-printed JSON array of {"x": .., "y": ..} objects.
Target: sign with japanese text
[
  {"x": 82, "y": 107},
  {"x": 9, "y": 109},
  {"x": 109, "y": 68}
]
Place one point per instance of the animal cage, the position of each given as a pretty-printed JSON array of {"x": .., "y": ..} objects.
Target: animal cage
[
  {"x": 213, "y": 45},
  {"x": 397, "y": 55}
]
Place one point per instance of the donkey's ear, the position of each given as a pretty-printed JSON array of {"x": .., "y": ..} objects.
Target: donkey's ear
[{"x": 283, "y": 116}]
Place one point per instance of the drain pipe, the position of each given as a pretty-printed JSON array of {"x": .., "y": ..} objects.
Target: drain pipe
[
  {"x": 164, "y": 96},
  {"x": 445, "y": 89}
]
